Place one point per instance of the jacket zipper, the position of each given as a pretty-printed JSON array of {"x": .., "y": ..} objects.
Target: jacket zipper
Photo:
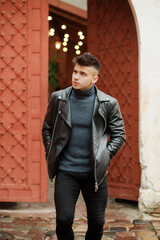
[
  {"x": 97, "y": 184},
  {"x": 95, "y": 177}
]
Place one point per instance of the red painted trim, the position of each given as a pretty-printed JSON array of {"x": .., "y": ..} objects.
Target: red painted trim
[{"x": 69, "y": 8}]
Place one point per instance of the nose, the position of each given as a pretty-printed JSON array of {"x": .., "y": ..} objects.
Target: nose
[{"x": 76, "y": 76}]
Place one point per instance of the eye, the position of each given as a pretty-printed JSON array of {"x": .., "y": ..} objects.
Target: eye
[
  {"x": 74, "y": 71},
  {"x": 83, "y": 74}
]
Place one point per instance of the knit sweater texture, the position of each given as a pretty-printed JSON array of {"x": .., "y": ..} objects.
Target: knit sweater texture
[{"x": 76, "y": 155}]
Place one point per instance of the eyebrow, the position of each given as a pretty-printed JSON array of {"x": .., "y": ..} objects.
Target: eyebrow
[{"x": 80, "y": 71}]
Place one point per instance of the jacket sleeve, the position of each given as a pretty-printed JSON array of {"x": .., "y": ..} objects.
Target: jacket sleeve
[
  {"x": 48, "y": 124},
  {"x": 116, "y": 128}
]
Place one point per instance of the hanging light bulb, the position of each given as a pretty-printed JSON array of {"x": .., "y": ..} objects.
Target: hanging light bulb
[
  {"x": 78, "y": 52},
  {"x": 52, "y": 32},
  {"x": 65, "y": 39},
  {"x": 64, "y": 43},
  {"x": 49, "y": 18},
  {"x": 81, "y": 37},
  {"x": 80, "y": 43},
  {"x": 66, "y": 35},
  {"x": 63, "y": 26},
  {"x": 76, "y": 47},
  {"x": 57, "y": 45},
  {"x": 80, "y": 33},
  {"x": 65, "y": 49}
]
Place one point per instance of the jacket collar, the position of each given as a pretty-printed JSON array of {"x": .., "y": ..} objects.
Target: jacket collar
[
  {"x": 65, "y": 94},
  {"x": 102, "y": 97}
]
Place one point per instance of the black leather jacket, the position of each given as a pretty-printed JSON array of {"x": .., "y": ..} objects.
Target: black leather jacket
[{"x": 106, "y": 120}]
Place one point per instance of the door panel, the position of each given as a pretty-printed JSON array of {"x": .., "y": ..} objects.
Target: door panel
[
  {"x": 112, "y": 38},
  {"x": 24, "y": 46}
]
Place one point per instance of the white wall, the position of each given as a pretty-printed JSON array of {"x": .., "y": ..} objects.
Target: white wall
[
  {"x": 147, "y": 17},
  {"x": 78, "y": 3}
]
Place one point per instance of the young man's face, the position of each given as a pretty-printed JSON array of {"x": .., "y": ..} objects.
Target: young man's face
[{"x": 84, "y": 77}]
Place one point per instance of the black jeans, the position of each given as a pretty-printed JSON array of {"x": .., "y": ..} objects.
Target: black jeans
[{"x": 67, "y": 188}]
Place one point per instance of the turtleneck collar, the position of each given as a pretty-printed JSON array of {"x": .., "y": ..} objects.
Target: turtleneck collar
[{"x": 85, "y": 93}]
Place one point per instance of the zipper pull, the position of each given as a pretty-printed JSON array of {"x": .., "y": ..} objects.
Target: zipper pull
[{"x": 96, "y": 187}]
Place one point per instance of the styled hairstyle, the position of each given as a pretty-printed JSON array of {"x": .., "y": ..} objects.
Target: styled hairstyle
[{"x": 88, "y": 60}]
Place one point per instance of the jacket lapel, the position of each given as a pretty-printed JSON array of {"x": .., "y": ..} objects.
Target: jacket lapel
[
  {"x": 98, "y": 120},
  {"x": 65, "y": 110},
  {"x": 98, "y": 112}
]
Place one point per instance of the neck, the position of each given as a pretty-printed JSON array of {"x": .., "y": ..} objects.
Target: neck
[{"x": 88, "y": 92}]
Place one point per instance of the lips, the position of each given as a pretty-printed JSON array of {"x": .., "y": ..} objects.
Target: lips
[{"x": 75, "y": 83}]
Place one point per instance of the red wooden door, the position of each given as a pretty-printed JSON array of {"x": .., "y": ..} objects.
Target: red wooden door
[
  {"x": 23, "y": 86},
  {"x": 112, "y": 38}
]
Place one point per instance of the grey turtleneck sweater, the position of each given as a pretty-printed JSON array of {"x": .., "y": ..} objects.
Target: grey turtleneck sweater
[{"x": 76, "y": 155}]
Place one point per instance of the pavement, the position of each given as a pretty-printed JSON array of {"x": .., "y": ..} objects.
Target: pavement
[{"x": 37, "y": 221}]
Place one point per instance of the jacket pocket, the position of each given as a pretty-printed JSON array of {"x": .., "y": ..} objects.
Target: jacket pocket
[{"x": 102, "y": 160}]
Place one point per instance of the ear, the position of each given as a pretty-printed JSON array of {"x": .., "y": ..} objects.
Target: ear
[{"x": 95, "y": 79}]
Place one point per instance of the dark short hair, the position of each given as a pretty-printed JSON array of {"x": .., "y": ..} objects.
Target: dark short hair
[{"x": 87, "y": 59}]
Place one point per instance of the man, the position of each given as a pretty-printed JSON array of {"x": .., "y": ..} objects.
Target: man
[{"x": 75, "y": 133}]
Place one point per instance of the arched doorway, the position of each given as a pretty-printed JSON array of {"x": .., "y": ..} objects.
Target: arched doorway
[{"x": 112, "y": 37}]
